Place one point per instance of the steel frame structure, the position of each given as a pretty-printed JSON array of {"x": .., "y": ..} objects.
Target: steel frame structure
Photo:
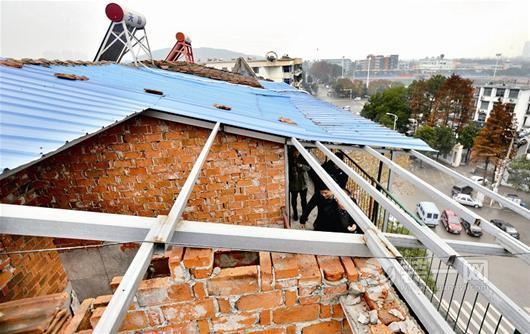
[
  {"x": 433, "y": 242},
  {"x": 513, "y": 245},
  {"x": 496, "y": 196},
  {"x": 155, "y": 234}
]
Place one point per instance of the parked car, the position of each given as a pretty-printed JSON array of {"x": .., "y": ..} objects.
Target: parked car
[
  {"x": 461, "y": 189},
  {"x": 467, "y": 200},
  {"x": 506, "y": 227},
  {"x": 451, "y": 222},
  {"x": 516, "y": 199},
  {"x": 347, "y": 108},
  {"x": 471, "y": 229},
  {"x": 428, "y": 213},
  {"x": 478, "y": 179}
]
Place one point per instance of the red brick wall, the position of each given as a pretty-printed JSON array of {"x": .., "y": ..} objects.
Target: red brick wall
[
  {"x": 139, "y": 167},
  {"x": 34, "y": 274}
]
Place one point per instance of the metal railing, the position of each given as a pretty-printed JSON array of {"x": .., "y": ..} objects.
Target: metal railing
[{"x": 456, "y": 300}]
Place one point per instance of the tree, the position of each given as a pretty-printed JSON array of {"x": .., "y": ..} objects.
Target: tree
[
  {"x": 467, "y": 136},
  {"x": 347, "y": 88},
  {"x": 453, "y": 104},
  {"x": 444, "y": 140},
  {"x": 325, "y": 72},
  {"x": 427, "y": 134},
  {"x": 393, "y": 100},
  {"x": 441, "y": 139},
  {"x": 519, "y": 171},
  {"x": 422, "y": 95},
  {"x": 493, "y": 141}
]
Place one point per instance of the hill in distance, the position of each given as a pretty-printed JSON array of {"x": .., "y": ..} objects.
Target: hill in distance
[{"x": 203, "y": 54}]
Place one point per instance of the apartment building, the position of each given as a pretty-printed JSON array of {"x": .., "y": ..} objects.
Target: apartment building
[{"x": 517, "y": 95}]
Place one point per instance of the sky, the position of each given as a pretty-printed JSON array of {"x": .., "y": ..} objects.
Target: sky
[{"x": 411, "y": 28}]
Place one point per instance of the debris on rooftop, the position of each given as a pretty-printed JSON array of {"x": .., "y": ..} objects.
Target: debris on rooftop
[
  {"x": 153, "y": 91},
  {"x": 69, "y": 76},
  {"x": 287, "y": 120},
  {"x": 11, "y": 63},
  {"x": 206, "y": 72},
  {"x": 222, "y": 107}
]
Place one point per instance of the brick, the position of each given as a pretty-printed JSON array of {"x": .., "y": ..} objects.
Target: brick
[
  {"x": 379, "y": 329},
  {"x": 285, "y": 283},
  {"x": 309, "y": 270},
  {"x": 309, "y": 300},
  {"x": 234, "y": 281},
  {"x": 198, "y": 257},
  {"x": 290, "y": 297},
  {"x": 338, "y": 313},
  {"x": 179, "y": 292},
  {"x": 265, "y": 271},
  {"x": 199, "y": 290},
  {"x": 101, "y": 301},
  {"x": 297, "y": 313},
  {"x": 201, "y": 273},
  {"x": 346, "y": 329},
  {"x": 325, "y": 311},
  {"x": 115, "y": 282},
  {"x": 184, "y": 328},
  {"x": 269, "y": 331},
  {"x": 328, "y": 327},
  {"x": 187, "y": 311},
  {"x": 385, "y": 317},
  {"x": 331, "y": 267},
  {"x": 352, "y": 274},
  {"x": 265, "y": 317},
  {"x": 368, "y": 267},
  {"x": 133, "y": 320},
  {"x": 264, "y": 300},
  {"x": 204, "y": 326},
  {"x": 291, "y": 330},
  {"x": 331, "y": 292},
  {"x": 233, "y": 322},
  {"x": 284, "y": 265},
  {"x": 224, "y": 305}
]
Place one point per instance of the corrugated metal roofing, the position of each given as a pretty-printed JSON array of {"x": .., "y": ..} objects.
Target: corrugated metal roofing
[{"x": 39, "y": 113}]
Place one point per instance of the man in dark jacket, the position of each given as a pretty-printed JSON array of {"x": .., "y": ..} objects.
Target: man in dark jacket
[
  {"x": 298, "y": 168},
  {"x": 327, "y": 206},
  {"x": 331, "y": 217}
]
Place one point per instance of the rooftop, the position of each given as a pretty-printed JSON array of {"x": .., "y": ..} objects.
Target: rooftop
[{"x": 43, "y": 110}]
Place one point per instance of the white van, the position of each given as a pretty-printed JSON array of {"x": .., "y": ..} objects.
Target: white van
[{"x": 428, "y": 213}]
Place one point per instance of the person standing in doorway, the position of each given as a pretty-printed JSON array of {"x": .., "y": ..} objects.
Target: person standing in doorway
[{"x": 297, "y": 181}]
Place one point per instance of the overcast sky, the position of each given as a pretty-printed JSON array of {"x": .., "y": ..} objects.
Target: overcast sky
[{"x": 410, "y": 28}]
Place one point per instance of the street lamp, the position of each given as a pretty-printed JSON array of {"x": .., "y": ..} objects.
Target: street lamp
[
  {"x": 496, "y": 63},
  {"x": 395, "y": 118}
]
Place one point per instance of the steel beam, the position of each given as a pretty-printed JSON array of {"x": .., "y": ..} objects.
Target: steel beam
[
  {"x": 159, "y": 234},
  {"x": 210, "y": 125},
  {"x": 487, "y": 289},
  {"x": 504, "y": 239},
  {"x": 496, "y": 196},
  {"x": 381, "y": 247},
  {"x": 84, "y": 225},
  {"x": 467, "y": 247}
]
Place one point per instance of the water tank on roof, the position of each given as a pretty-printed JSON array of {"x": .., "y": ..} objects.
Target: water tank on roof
[{"x": 116, "y": 13}]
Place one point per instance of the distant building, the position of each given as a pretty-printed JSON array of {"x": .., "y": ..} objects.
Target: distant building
[
  {"x": 519, "y": 96},
  {"x": 378, "y": 63},
  {"x": 284, "y": 69},
  {"x": 435, "y": 64}
]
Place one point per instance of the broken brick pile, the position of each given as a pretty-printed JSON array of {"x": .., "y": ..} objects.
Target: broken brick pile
[{"x": 285, "y": 293}]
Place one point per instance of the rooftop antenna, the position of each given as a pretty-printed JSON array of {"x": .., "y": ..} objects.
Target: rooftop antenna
[
  {"x": 181, "y": 48},
  {"x": 126, "y": 33}
]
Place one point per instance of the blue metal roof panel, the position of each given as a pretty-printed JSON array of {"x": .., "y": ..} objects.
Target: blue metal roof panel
[{"x": 39, "y": 113}]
